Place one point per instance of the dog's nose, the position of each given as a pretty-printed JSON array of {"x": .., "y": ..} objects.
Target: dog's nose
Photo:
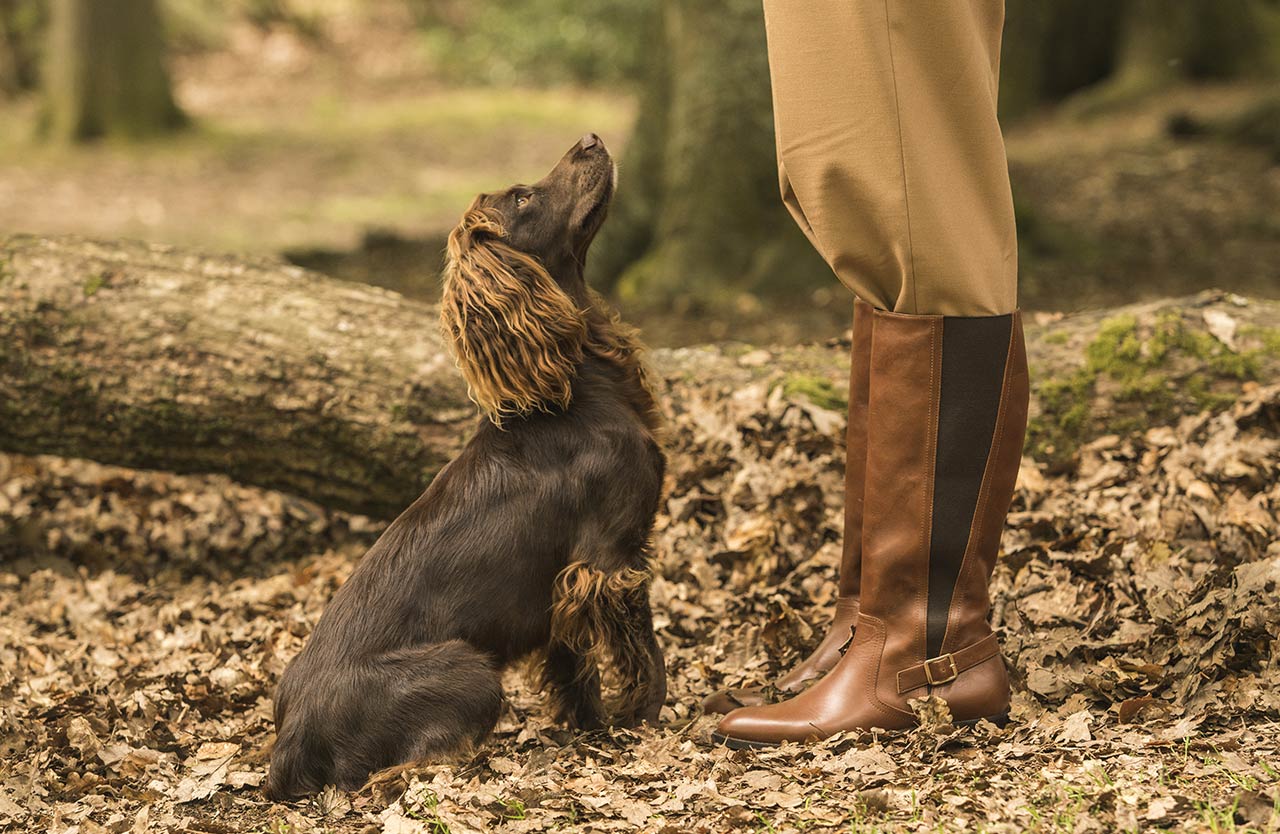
[{"x": 589, "y": 141}]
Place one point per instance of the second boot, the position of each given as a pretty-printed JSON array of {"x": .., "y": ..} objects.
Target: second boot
[
  {"x": 840, "y": 630},
  {"x": 947, "y": 414}
]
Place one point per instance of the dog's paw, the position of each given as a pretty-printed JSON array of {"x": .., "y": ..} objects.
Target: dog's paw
[{"x": 582, "y": 721}]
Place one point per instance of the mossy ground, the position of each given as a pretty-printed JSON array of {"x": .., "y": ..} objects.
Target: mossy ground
[
  {"x": 1143, "y": 372},
  {"x": 816, "y": 389}
]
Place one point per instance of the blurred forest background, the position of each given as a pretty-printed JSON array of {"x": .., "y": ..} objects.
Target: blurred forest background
[{"x": 348, "y": 135}]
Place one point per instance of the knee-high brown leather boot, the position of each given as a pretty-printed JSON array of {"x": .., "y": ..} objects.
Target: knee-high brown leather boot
[
  {"x": 827, "y": 652},
  {"x": 946, "y": 417}
]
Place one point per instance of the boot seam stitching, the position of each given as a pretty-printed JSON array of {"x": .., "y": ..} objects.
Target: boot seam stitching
[
  {"x": 848, "y": 542},
  {"x": 931, "y": 460},
  {"x": 873, "y": 683}
]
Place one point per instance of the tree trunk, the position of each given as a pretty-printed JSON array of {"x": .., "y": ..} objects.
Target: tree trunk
[
  {"x": 1124, "y": 50},
  {"x": 1053, "y": 48},
  {"x": 629, "y": 232},
  {"x": 709, "y": 223},
  {"x": 1192, "y": 39},
  {"x": 105, "y": 73},
  {"x": 1162, "y": 42},
  {"x": 10, "y": 75},
  {"x": 21, "y": 21}
]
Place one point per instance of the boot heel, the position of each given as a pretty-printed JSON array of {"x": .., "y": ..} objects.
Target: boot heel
[{"x": 1000, "y": 720}]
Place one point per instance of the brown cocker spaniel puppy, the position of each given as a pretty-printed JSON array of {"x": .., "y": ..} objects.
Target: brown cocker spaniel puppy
[{"x": 533, "y": 540}]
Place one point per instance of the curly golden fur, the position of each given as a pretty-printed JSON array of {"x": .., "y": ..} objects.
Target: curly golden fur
[
  {"x": 517, "y": 335},
  {"x": 593, "y": 615},
  {"x": 587, "y": 599}
]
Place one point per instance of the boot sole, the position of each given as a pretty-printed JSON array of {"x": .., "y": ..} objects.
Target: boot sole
[
  {"x": 732, "y": 743},
  {"x": 740, "y": 743}
]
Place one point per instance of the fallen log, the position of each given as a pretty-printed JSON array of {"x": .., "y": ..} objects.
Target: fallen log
[{"x": 152, "y": 357}]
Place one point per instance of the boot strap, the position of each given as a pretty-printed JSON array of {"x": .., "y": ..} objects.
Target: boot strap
[{"x": 947, "y": 667}]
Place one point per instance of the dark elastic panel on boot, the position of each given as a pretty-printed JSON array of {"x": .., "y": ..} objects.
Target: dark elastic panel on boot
[{"x": 974, "y": 352}]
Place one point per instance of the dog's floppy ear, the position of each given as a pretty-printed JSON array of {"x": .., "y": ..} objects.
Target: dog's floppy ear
[{"x": 517, "y": 335}]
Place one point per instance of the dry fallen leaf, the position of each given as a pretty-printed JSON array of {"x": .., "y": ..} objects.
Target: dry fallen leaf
[{"x": 1222, "y": 326}]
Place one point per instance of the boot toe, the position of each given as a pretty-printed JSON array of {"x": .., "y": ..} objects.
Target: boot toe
[{"x": 760, "y": 727}]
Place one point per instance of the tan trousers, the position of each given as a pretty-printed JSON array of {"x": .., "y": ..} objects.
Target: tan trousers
[{"x": 889, "y": 153}]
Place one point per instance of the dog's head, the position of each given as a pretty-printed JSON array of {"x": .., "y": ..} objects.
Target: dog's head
[{"x": 514, "y": 294}]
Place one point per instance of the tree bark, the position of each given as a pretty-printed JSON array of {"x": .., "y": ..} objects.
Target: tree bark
[
  {"x": 1193, "y": 39},
  {"x": 105, "y": 73},
  {"x": 709, "y": 222},
  {"x": 630, "y": 230},
  {"x": 10, "y": 74},
  {"x": 1160, "y": 43},
  {"x": 1053, "y": 48},
  {"x": 151, "y": 357}
]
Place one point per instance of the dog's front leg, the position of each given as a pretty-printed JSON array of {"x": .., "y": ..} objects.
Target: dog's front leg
[
  {"x": 638, "y": 657},
  {"x": 602, "y": 613},
  {"x": 574, "y": 682}
]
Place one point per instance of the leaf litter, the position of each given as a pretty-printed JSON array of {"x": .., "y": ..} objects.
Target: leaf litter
[{"x": 144, "y": 618}]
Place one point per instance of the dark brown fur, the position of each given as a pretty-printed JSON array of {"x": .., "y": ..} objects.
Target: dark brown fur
[{"x": 534, "y": 539}]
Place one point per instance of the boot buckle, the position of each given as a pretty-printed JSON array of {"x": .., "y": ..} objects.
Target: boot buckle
[{"x": 951, "y": 673}]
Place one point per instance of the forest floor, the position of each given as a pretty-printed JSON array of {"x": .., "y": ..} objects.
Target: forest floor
[{"x": 145, "y": 617}]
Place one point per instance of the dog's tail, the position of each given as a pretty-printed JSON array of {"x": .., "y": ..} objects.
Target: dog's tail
[{"x": 407, "y": 705}]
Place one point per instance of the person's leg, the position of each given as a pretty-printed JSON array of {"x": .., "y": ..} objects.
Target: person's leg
[
  {"x": 894, "y": 166},
  {"x": 891, "y": 155}
]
